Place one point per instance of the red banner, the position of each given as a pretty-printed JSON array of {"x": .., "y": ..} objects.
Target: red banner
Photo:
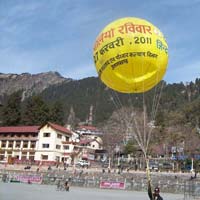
[
  {"x": 29, "y": 178},
  {"x": 112, "y": 185}
]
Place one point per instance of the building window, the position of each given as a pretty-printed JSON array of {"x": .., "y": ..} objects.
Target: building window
[
  {"x": 10, "y": 145},
  {"x": 45, "y": 146},
  {"x": 58, "y": 146},
  {"x": 17, "y": 145},
  {"x": 59, "y": 136},
  {"x": 3, "y": 144},
  {"x": 57, "y": 158},
  {"x": 33, "y": 145},
  {"x": 66, "y": 139},
  {"x": 44, "y": 157},
  {"x": 46, "y": 134},
  {"x": 66, "y": 147},
  {"x": 25, "y": 145}
]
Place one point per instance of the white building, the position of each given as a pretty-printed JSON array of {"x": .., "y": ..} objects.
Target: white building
[
  {"x": 54, "y": 143},
  {"x": 89, "y": 145},
  {"x": 92, "y": 142},
  {"x": 88, "y": 130},
  {"x": 49, "y": 143}
]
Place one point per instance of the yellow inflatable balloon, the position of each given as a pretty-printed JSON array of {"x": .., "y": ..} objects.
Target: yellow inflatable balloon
[{"x": 130, "y": 55}]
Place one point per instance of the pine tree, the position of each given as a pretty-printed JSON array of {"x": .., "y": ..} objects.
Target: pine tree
[
  {"x": 36, "y": 111},
  {"x": 57, "y": 113},
  {"x": 11, "y": 110}
]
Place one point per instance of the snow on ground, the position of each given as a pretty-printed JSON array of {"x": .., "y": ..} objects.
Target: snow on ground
[{"x": 22, "y": 191}]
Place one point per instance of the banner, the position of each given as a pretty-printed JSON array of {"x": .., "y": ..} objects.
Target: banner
[
  {"x": 112, "y": 185},
  {"x": 29, "y": 178}
]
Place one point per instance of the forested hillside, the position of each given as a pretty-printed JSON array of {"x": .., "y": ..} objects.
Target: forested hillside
[{"x": 178, "y": 101}]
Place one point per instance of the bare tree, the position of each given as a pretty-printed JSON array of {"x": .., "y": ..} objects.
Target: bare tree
[{"x": 125, "y": 124}]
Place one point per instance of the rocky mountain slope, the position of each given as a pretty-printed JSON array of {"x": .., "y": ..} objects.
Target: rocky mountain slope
[{"x": 28, "y": 83}]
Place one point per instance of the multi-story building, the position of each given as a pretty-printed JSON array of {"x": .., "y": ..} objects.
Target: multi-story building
[
  {"x": 91, "y": 142},
  {"x": 48, "y": 143},
  {"x": 18, "y": 142},
  {"x": 89, "y": 146},
  {"x": 55, "y": 143}
]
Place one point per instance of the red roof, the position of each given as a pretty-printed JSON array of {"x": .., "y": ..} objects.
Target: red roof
[
  {"x": 60, "y": 128},
  {"x": 85, "y": 141},
  {"x": 19, "y": 129},
  {"x": 92, "y": 128},
  {"x": 31, "y": 129}
]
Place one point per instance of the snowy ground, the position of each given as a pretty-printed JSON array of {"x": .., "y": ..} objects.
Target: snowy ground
[{"x": 22, "y": 191}]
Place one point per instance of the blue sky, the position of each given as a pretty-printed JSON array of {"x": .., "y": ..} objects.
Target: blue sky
[{"x": 58, "y": 35}]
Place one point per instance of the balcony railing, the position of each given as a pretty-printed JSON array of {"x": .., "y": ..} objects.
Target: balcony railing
[{"x": 18, "y": 138}]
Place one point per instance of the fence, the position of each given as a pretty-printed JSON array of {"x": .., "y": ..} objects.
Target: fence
[
  {"x": 192, "y": 190},
  {"x": 181, "y": 184}
]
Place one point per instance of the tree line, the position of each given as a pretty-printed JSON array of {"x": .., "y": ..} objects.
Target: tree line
[{"x": 33, "y": 111}]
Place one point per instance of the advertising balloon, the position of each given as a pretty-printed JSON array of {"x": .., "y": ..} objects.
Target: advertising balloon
[{"x": 130, "y": 55}]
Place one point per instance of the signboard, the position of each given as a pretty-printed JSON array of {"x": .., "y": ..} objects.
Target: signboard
[
  {"x": 112, "y": 185},
  {"x": 31, "y": 178}
]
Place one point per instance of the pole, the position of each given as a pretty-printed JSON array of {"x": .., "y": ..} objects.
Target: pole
[
  {"x": 192, "y": 165},
  {"x": 109, "y": 162},
  {"x": 149, "y": 178}
]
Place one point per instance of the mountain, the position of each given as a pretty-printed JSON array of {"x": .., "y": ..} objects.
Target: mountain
[
  {"x": 90, "y": 93},
  {"x": 28, "y": 83},
  {"x": 82, "y": 94}
]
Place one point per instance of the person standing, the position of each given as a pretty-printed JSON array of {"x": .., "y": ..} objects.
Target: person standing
[
  {"x": 156, "y": 194},
  {"x": 66, "y": 186}
]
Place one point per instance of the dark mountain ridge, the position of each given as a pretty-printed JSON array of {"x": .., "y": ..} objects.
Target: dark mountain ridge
[
  {"x": 89, "y": 92},
  {"x": 82, "y": 94}
]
